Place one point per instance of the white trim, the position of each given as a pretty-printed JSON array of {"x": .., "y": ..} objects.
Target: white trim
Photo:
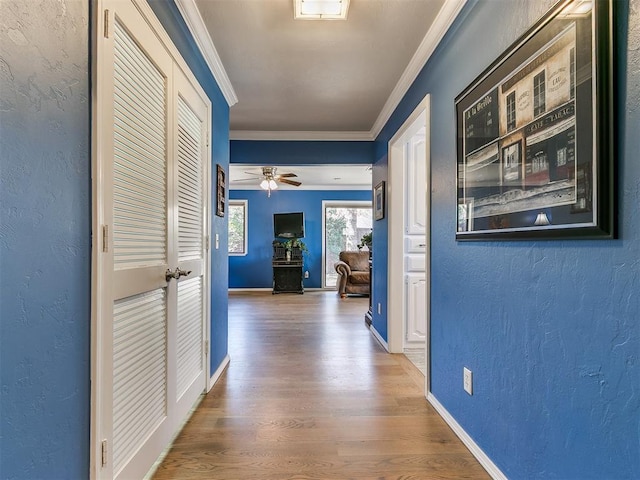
[
  {"x": 446, "y": 16},
  {"x": 189, "y": 11},
  {"x": 244, "y": 203},
  {"x": 241, "y": 186},
  {"x": 218, "y": 373},
  {"x": 484, "y": 460},
  {"x": 300, "y": 136},
  {"x": 244, "y": 289},
  {"x": 379, "y": 338}
]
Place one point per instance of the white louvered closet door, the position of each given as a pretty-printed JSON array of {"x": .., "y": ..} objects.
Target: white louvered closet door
[
  {"x": 190, "y": 196},
  {"x": 153, "y": 194}
]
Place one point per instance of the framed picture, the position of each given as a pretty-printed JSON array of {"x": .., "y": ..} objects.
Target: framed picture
[
  {"x": 378, "y": 201},
  {"x": 220, "y": 191},
  {"x": 535, "y": 143}
]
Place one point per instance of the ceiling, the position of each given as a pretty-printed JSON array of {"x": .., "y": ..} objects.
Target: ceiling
[
  {"x": 312, "y": 79},
  {"x": 313, "y": 177}
]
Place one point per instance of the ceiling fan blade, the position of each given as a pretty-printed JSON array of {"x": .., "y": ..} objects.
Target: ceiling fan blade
[
  {"x": 284, "y": 175},
  {"x": 246, "y": 180},
  {"x": 254, "y": 173},
  {"x": 290, "y": 182}
]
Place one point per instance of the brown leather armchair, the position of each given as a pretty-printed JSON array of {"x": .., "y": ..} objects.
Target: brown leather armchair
[{"x": 353, "y": 273}]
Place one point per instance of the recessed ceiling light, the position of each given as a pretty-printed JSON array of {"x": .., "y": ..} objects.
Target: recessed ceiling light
[{"x": 320, "y": 9}]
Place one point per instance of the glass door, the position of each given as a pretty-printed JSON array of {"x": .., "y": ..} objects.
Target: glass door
[{"x": 344, "y": 224}]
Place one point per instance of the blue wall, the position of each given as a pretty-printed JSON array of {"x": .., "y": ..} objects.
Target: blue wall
[
  {"x": 45, "y": 233},
  {"x": 254, "y": 269},
  {"x": 551, "y": 330},
  {"x": 172, "y": 21},
  {"x": 300, "y": 152}
]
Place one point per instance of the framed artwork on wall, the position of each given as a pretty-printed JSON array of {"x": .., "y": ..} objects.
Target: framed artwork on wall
[
  {"x": 221, "y": 191},
  {"x": 378, "y": 201},
  {"x": 535, "y": 133}
]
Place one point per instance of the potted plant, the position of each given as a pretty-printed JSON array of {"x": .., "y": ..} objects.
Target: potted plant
[
  {"x": 366, "y": 240},
  {"x": 293, "y": 245}
]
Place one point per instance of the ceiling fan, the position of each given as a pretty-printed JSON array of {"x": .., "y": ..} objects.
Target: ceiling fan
[{"x": 270, "y": 179}]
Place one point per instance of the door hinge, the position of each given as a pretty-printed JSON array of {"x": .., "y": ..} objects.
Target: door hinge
[
  {"x": 206, "y": 347},
  {"x": 106, "y": 24},
  {"x": 207, "y": 242},
  {"x": 105, "y": 238},
  {"x": 104, "y": 453},
  {"x": 207, "y": 138}
]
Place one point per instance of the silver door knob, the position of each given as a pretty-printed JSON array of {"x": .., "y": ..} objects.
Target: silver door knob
[{"x": 176, "y": 274}]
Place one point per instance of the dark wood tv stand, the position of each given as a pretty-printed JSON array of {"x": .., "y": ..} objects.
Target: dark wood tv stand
[{"x": 287, "y": 276}]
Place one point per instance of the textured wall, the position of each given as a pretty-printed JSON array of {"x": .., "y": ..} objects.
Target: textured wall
[
  {"x": 551, "y": 330},
  {"x": 172, "y": 21},
  {"x": 45, "y": 230},
  {"x": 300, "y": 152},
  {"x": 254, "y": 269}
]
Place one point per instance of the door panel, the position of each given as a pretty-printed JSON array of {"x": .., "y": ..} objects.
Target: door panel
[
  {"x": 414, "y": 239},
  {"x": 416, "y": 315},
  {"x": 152, "y": 197}
]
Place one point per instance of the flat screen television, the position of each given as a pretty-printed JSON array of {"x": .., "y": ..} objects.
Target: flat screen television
[{"x": 288, "y": 225}]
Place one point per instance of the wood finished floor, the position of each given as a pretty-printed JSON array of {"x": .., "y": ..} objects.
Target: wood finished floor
[{"x": 310, "y": 394}]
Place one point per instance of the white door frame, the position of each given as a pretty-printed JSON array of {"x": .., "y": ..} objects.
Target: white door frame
[
  {"x": 395, "y": 192},
  {"x": 98, "y": 283}
]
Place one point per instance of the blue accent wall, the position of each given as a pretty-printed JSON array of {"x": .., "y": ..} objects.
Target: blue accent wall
[
  {"x": 45, "y": 232},
  {"x": 301, "y": 152},
  {"x": 550, "y": 329},
  {"x": 174, "y": 24},
  {"x": 45, "y": 240},
  {"x": 254, "y": 269}
]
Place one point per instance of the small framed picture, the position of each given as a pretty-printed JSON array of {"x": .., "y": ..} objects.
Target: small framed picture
[
  {"x": 220, "y": 191},
  {"x": 378, "y": 201}
]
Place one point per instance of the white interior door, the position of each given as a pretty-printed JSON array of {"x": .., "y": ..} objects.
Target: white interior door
[
  {"x": 152, "y": 198},
  {"x": 414, "y": 243},
  {"x": 190, "y": 196}
]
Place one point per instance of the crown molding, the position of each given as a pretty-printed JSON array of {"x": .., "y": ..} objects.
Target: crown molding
[
  {"x": 189, "y": 11},
  {"x": 446, "y": 16},
  {"x": 300, "y": 136}
]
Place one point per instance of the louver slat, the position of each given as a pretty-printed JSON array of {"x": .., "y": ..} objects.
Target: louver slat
[
  {"x": 190, "y": 184},
  {"x": 139, "y": 371},
  {"x": 189, "y": 362},
  {"x": 139, "y": 189}
]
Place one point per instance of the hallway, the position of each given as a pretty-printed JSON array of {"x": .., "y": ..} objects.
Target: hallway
[{"x": 310, "y": 394}]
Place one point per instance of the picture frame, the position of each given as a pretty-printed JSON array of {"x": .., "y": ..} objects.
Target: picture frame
[
  {"x": 378, "y": 201},
  {"x": 220, "y": 191},
  {"x": 535, "y": 141}
]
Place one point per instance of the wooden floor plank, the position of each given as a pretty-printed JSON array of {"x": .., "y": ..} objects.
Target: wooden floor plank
[{"x": 310, "y": 394}]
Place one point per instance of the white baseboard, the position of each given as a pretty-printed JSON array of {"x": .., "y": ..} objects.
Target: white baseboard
[
  {"x": 219, "y": 371},
  {"x": 473, "y": 447},
  {"x": 250, "y": 289},
  {"x": 306, "y": 289},
  {"x": 379, "y": 338}
]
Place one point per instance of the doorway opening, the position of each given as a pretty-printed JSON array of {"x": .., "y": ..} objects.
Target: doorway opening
[{"x": 409, "y": 239}]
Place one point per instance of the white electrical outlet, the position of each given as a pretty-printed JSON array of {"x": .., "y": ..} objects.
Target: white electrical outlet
[
  {"x": 468, "y": 380},
  {"x": 379, "y": 308},
  {"x": 217, "y": 241},
  {"x": 306, "y": 274}
]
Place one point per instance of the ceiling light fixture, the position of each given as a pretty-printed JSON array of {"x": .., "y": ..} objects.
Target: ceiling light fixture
[{"x": 320, "y": 9}]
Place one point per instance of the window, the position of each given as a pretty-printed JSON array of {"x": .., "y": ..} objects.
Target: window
[
  {"x": 511, "y": 111},
  {"x": 344, "y": 224},
  {"x": 539, "y": 98},
  {"x": 238, "y": 227}
]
